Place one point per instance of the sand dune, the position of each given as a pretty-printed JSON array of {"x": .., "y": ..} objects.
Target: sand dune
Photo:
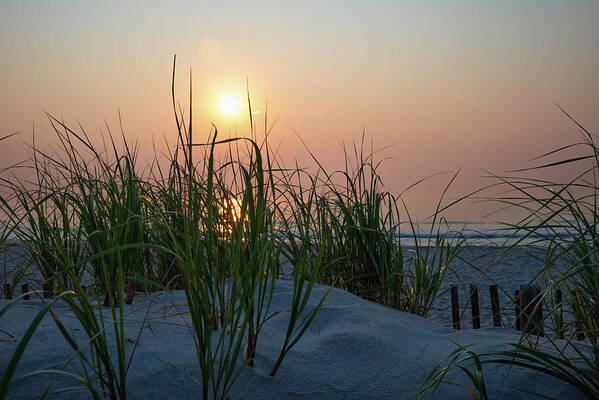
[{"x": 355, "y": 349}]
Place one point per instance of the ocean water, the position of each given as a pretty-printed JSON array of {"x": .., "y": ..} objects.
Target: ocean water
[{"x": 477, "y": 233}]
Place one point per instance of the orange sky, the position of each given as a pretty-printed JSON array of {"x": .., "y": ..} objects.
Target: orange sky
[{"x": 470, "y": 85}]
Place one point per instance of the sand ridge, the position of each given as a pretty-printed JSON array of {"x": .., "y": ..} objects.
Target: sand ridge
[{"x": 355, "y": 349}]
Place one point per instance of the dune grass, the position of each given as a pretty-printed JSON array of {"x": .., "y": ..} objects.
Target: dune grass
[
  {"x": 99, "y": 228},
  {"x": 92, "y": 219},
  {"x": 357, "y": 221},
  {"x": 565, "y": 216}
]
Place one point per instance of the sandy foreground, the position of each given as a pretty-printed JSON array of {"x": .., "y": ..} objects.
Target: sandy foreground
[{"x": 355, "y": 349}]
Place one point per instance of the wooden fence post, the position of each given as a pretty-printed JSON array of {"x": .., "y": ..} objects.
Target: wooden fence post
[
  {"x": 577, "y": 323},
  {"x": 475, "y": 309},
  {"x": 495, "y": 305},
  {"x": 455, "y": 307},
  {"x": 7, "y": 292},
  {"x": 25, "y": 289},
  {"x": 539, "y": 314},
  {"x": 531, "y": 318},
  {"x": 48, "y": 288},
  {"x": 560, "y": 313},
  {"x": 517, "y": 309}
]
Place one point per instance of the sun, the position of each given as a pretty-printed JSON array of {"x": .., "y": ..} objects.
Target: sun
[{"x": 229, "y": 105}]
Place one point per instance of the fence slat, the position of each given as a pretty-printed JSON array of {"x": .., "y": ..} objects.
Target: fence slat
[
  {"x": 495, "y": 305},
  {"x": 577, "y": 322},
  {"x": 7, "y": 291},
  {"x": 25, "y": 289},
  {"x": 531, "y": 314},
  {"x": 48, "y": 288},
  {"x": 517, "y": 309},
  {"x": 475, "y": 309},
  {"x": 560, "y": 313},
  {"x": 455, "y": 307}
]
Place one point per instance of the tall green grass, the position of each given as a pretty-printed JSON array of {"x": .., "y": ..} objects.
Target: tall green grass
[
  {"x": 91, "y": 218},
  {"x": 358, "y": 222},
  {"x": 99, "y": 229},
  {"x": 566, "y": 217}
]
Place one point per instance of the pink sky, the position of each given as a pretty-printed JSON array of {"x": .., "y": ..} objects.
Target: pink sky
[{"x": 470, "y": 85}]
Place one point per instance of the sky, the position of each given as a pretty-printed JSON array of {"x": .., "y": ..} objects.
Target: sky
[{"x": 460, "y": 85}]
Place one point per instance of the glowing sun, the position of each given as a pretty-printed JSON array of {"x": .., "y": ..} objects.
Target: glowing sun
[{"x": 229, "y": 105}]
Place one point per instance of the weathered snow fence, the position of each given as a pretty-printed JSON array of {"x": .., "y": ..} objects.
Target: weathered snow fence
[{"x": 528, "y": 309}]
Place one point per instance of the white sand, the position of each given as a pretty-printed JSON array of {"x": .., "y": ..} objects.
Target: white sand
[{"x": 354, "y": 350}]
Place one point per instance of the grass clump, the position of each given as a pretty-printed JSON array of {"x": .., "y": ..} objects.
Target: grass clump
[
  {"x": 565, "y": 218},
  {"x": 357, "y": 221},
  {"x": 98, "y": 228}
]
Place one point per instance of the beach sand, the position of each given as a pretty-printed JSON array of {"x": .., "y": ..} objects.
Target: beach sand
[{"x": 354, "y": 349}]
